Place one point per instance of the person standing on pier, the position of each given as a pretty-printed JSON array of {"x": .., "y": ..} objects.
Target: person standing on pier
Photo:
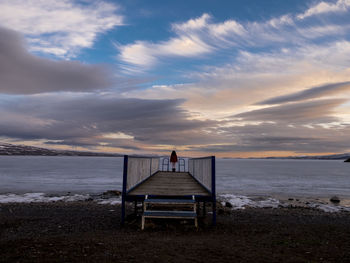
[{"x": 173, "y": 159}]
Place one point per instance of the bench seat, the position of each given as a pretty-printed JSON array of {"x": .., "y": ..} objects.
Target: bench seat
[
  {"x": 170, "y": 214},
  {"x": 170, "y": 201}
]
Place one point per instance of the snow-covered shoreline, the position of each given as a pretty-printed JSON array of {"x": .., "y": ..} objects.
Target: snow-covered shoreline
[
  {"x": 231, "y": 201},
  {"x": 242, "y": 202}
]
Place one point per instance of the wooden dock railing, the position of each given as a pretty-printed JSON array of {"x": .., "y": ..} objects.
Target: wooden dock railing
[{"x": 139, "y": 168}]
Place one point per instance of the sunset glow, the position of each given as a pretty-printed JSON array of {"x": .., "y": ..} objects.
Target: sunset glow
[{"x": 235, "y": 79}]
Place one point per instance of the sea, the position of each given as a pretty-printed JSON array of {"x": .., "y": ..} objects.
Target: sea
[{"x": 241, "y": 182}]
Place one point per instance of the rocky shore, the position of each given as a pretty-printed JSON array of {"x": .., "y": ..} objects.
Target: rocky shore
[{"x": 89, "y": 232}]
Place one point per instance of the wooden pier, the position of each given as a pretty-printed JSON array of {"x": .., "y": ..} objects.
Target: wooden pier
[{"x": 144, "y": 181}]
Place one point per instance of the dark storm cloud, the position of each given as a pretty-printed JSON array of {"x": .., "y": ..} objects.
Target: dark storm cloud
[
  {"x": 311, "y": 93},
  {"x": 309, "y": 123},
  {"x": 310, "y": 112},
  {"x": 82, "y": 120},
  {"x": 307, "y": 127},
  {"x": 90, "y": 143},
  {"x": 24, "y": 73},
  {"x": 273, "y": 137}
]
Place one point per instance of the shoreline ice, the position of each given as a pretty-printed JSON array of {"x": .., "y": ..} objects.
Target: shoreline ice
[
  {"x": 40, "y": 197},
  {"x": 237, "y": 201},
  {"x": 242, "y": 202}
]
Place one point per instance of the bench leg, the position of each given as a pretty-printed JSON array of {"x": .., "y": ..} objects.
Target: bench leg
[
  {"x": 135, "y": 208},
  {"x": 214, "y": 213},
  {"x": 143, "y": 223}
]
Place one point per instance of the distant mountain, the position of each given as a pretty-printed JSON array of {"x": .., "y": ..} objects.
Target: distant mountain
[
  {"x": 342, "y": 156},
  {"x": 12, "y": 149}
]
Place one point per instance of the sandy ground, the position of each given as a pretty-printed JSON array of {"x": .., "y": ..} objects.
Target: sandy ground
[{"x": 89, "y": 232}]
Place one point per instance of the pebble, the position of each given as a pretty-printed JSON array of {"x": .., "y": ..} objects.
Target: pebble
[
  {"x": 220, "y": 211},
  {"x": 228, "y": 204},
  {"x": 111, "y": 193},
  {"x": 335, "y": 199}
]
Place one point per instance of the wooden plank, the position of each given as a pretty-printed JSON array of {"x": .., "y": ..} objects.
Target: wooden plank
[
  {"x": 172, "y": 192},
  {"x": 170, "y": 201},
  {"x": 201, "y": 169},
  {"x": 170, "y": 187},
  {"x": 170, "y": 214},
  {"x": 138, "y": 170},
  {"x": 169, "y": 183}
]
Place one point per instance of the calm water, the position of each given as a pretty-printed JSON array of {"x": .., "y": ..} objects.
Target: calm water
[{"x": 314, "y": 178}]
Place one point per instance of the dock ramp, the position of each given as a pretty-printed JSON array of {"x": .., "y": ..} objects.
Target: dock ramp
[{"x": 145, "y": 178}]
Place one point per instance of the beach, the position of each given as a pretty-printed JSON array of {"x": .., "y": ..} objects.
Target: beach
[
  {"x": 85, "y": 231},
  {"x": 65, "y": 209}
]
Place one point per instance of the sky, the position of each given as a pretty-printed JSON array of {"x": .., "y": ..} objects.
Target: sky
[{"x": 228, "y": 78}]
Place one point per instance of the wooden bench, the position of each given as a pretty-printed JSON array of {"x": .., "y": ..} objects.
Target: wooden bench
[{"x": 169, "y": 203}]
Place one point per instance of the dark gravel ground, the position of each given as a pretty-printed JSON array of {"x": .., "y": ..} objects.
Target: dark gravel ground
[{"x": 88, "y": 232}]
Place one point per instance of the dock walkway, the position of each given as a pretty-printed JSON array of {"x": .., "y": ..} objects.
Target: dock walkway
[{"x": 170, "y": 183}]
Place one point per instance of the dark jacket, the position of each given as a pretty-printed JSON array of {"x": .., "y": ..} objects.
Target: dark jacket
[{"x": 173, "y": 158}]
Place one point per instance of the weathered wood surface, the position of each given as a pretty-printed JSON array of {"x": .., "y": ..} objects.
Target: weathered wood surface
[
  {"x": 170, "y": 201},
  {"x": 155, "y": 165},
  {"x": 201, "y": 170},
  {"x": 170, "y": 214},
  {"x": 139, "y": 169},
  {"x": 170, "y": 183}
]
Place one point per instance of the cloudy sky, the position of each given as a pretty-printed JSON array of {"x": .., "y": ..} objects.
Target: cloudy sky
[{"x": 228, "y": 78}]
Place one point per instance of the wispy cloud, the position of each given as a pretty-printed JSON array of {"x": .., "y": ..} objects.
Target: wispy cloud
[
  {"x": 146, "y": 54},
  {"x": 310, "y": 112},
  {"x": 316, "y": 92},
  {"x": 326, "y": 7},
  {"x": 142, "y": 55},
  {"x": 60, "y": 28},
  {"x": 238, "y": 86},
  {"x": 202, "y": 37},
  {"x": 197, "y": 37},
  {"x": 269, "y": 137}
]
